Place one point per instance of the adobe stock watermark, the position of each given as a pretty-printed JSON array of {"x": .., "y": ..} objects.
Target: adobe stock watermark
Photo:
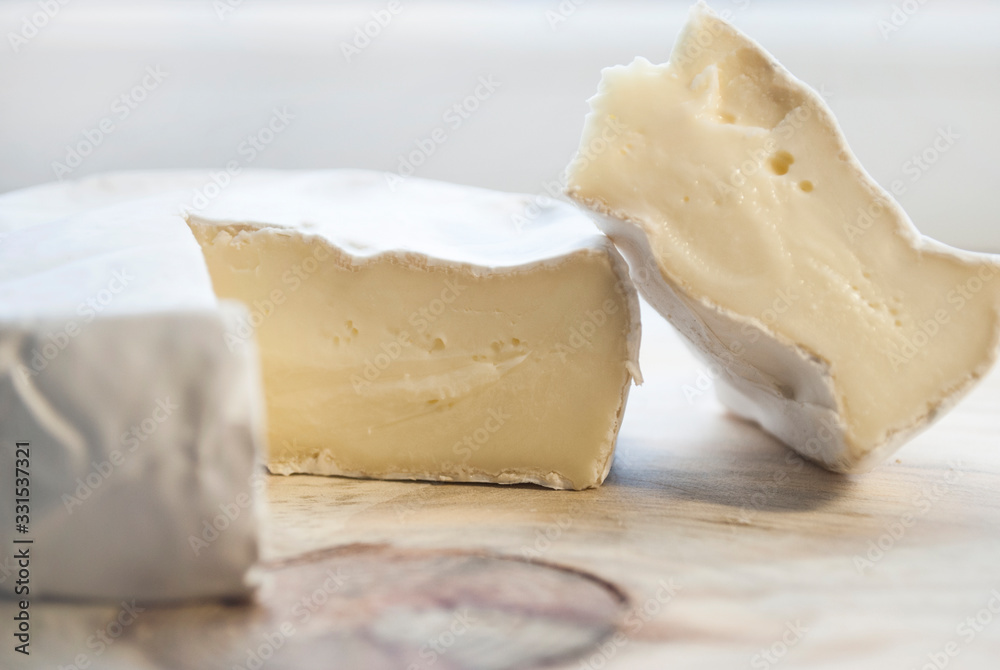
[
  {"x": 783, "y": 300},
  {"x": 914, "y": 169},
  {"x": 582, "y": 334},
  {"x": 32, "y": 25},
  {"x": 103, "y": 638},
  {"x": 261, "y": 309},
  {"x": 437, "y": 646},
  {"x": 552, "y": 190},
  {"x": 213, "y": 528},
  {"x": 921, "y": 162},
  {"x": 248, "y": 150},
  {"x": 421, "y": 319},
  {"x": 59, "y": 340},
  {"x": 404, "y": 510},
  {"x": 302, "y": 611},
  {"x": 367, "y": 33},
  {"x": 895, "y": 531},
  {"x": 794, "y": 632},
  {"x": 546, "y": 537},
  {"x": 130, "y": 442},
  {"x": 965, "y": 632},
  {"x": 121, "y": 108},
  {"x": 705, "y": 38},
  {"x": 767, "y": 488},
  {"x": 307, "y": 606},
  {"x": 899, "y": 16},
  {"x": 929, "y": 328},
  {"x": 223, "y": 8},
  {"x": 635, "y": 620},
  {"x": 562, "y": 13},
  {"x": 472, "y": 442},
  {"x": 454, "y": 118}
]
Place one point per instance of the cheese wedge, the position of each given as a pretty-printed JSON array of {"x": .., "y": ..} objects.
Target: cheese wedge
[
  {"x": 415, "y": 333},
  {"x": 750, "y": 225},
  {"x": 130, "y": 429}
]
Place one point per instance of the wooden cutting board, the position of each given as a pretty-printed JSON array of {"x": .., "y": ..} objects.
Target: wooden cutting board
[{"x": 710, "y": 546}]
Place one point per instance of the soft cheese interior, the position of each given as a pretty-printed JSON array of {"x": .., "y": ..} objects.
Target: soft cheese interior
[
  {"x": 764, "y": 232},
  {"x": 419, "y": 334}
]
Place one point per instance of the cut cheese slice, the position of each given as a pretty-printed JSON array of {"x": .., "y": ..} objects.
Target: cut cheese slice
[
  {"x": 130, "y": 427},
  {"x": 750, "y": 225},
  {"x": 416, "y": 333}
]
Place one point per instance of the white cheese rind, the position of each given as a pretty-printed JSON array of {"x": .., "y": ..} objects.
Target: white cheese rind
[
  {"x": 109, "y": 522},
  {"x": 35, "y": 205},
  {"x": 143, "y": 426},
  {"x": 750, "y": 225}
]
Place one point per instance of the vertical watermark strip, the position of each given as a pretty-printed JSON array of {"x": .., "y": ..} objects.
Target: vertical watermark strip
[{"x": 22, "y": 546}]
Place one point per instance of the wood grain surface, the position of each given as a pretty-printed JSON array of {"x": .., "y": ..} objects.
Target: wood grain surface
[{"x": 709, "y": 546}]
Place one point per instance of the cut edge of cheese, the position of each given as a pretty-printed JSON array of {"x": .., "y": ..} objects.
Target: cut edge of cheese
[
  {"x": 764, "y": 373},
  {"x": 251, "y": 242}
]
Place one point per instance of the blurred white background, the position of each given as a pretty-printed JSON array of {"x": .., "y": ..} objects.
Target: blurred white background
[{"x": 896, "y": 74}]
